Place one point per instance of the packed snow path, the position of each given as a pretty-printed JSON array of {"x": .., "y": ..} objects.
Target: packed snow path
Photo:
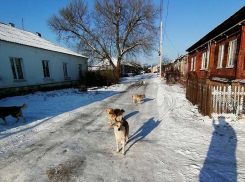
[{"x": 168, "y": 140}]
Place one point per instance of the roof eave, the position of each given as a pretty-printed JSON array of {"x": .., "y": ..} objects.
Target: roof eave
[
  {"x": 235, "y": 19},
  {"x": 46, "y": 49}
]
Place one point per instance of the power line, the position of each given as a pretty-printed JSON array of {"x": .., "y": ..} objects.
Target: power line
[
  {"x": 161, "y": 5},
  {"x": 160, "y": 50},
  {"x": 161, "y": 8},
  {"x": 165, "y": 26},
  {"x": 172, "y": 44}
]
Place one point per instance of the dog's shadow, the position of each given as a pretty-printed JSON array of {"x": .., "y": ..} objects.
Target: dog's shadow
[
  {"x": 142, "y": 132},
  {"x": 144, "y": 101},
  {"x": 147, "y": 100},
  {"x": 131, "y": 114},
  {"x": 9, "y": 126}
]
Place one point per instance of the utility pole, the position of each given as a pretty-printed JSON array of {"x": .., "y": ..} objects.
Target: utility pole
[
  {"x": 22, "y": 24},
  {"x": 160, "y": 50},
  {"x": 160, "y": 53}
]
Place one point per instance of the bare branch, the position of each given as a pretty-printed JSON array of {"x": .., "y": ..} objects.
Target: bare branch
[{"x": 113, "y": 28}]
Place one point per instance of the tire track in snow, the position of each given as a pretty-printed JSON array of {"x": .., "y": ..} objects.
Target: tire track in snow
[{"x": 171, "y": 99}]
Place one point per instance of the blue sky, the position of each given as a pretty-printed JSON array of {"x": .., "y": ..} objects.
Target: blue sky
[{"x": 187, "y": 20}]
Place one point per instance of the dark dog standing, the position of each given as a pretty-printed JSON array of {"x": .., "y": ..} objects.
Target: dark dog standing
[{"x": 14, "y": 111}]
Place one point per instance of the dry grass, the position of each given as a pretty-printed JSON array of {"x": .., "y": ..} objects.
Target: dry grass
[
  {"x": 64, "y": 172},
  {"x": 137, "y": 84}
]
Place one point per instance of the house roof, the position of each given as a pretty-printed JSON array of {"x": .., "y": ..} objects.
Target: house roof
[
  {"x": 114, "y": 60},
  {"x": 228, "y": 23},
  {"x": 17, "y": 36},
  {"x": 106, "y": 63}
]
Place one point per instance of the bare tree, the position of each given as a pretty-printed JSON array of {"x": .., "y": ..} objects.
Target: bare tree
[
  {"x": 166, "y": 60},
  {"x": 113, "y": 28}
]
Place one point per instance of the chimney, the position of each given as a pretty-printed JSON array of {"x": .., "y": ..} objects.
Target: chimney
[
  {"x": 11, "y": 24},
  {"x": 38, "y": 34}
]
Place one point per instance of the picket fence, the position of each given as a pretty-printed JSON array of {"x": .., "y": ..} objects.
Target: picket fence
[{"x": 228, "y": 100}]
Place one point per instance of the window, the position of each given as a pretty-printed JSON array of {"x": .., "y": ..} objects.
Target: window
[
  {"x": 80, "y": 70},
  {"x": 204, "y": 60},
  {"x": 232, "y": 53},
  {"x": 185, "y": 60},
  {"x": 65, "y": 70},
  {"x": 221, "y": 55},
  {"x": 17, "y": 68},
  {"x": 46, "y": 72},
  {"x": 194, "y": 64}
]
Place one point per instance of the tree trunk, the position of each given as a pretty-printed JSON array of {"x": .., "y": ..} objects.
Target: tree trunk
[{"x": 117, "y": 71}]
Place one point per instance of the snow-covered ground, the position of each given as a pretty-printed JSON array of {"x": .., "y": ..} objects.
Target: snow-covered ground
[{"x": 67, "y": 137}]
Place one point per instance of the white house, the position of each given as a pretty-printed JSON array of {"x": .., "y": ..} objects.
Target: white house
[
  {"x": 29, "y": 61},
  {"x": 126, "y": 67},
  {"x": 103, "y": 65}
]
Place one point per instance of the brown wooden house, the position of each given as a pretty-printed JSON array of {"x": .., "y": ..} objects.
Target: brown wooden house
[
  {"x": 218, "y": 58},
  {"x": 220, "y": 53}
]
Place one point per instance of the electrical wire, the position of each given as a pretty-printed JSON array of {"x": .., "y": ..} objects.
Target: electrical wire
[{"x": 165, "y": 33}]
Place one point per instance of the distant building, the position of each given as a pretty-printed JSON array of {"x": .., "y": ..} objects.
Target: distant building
[{"x": 127, "y": 68}]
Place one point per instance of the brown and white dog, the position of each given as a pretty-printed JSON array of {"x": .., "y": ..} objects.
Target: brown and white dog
[
  {"x": 121, "y": 131},
  {"x": 138, "y": 98},
  {"x": 14, "y": 111},
  {"x": 114, "y": 114}
]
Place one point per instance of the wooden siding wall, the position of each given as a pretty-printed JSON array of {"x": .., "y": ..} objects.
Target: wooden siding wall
[
  {"x": 199, "y": 82},
  {"x": 224, "y": 72},
  {"x": 241, "y": 63}
]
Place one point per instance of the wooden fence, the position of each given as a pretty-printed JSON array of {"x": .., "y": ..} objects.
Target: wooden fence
[
  {"x": 227, "y": 100},
  {"x": 199, "y": 93}
]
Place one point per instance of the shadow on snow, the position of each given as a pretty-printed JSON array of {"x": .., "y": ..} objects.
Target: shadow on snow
[
  {"x": 142, "y": 132},
  {"x": 147, "y": 100},
  {"x": 220, "y": 163},
  {"x": 131, "y": 114},
  {"x": 47, "y": 105}
]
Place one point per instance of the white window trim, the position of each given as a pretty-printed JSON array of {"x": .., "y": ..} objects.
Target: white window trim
[
  {"x": 47, "y": 78},
  {"x": 194, "y": 63},
  {"x": 204, "y": 61},
  {"x": 16, "y": 72},
  {"x": 67, "y": 70},
  {"x": 221, "y": 56},
  {"x": 232, "y": 53}
]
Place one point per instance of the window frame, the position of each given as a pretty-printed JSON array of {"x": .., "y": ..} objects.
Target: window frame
[
  {"x": 44, "y": 70},
  {"x": 204, "y": 61},
  {"x": 192, "y": 59},
  {"x": 194, "y": 63},
  {"x": 221, "y": 56},
  {"x": 232, "y": 53},
  {"x": 80, "y": 69},
  {"x": 65, "y": 70},
  {"x": 15, "y": 72}
]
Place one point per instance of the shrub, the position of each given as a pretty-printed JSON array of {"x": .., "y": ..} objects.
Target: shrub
[{"x": 97, "y": 78}]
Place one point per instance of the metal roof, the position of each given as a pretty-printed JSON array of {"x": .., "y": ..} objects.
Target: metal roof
[{"x": 14, "y": 35}]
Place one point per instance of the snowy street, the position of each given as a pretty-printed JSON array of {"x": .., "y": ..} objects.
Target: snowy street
[{"x": 67, "y": 137}]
